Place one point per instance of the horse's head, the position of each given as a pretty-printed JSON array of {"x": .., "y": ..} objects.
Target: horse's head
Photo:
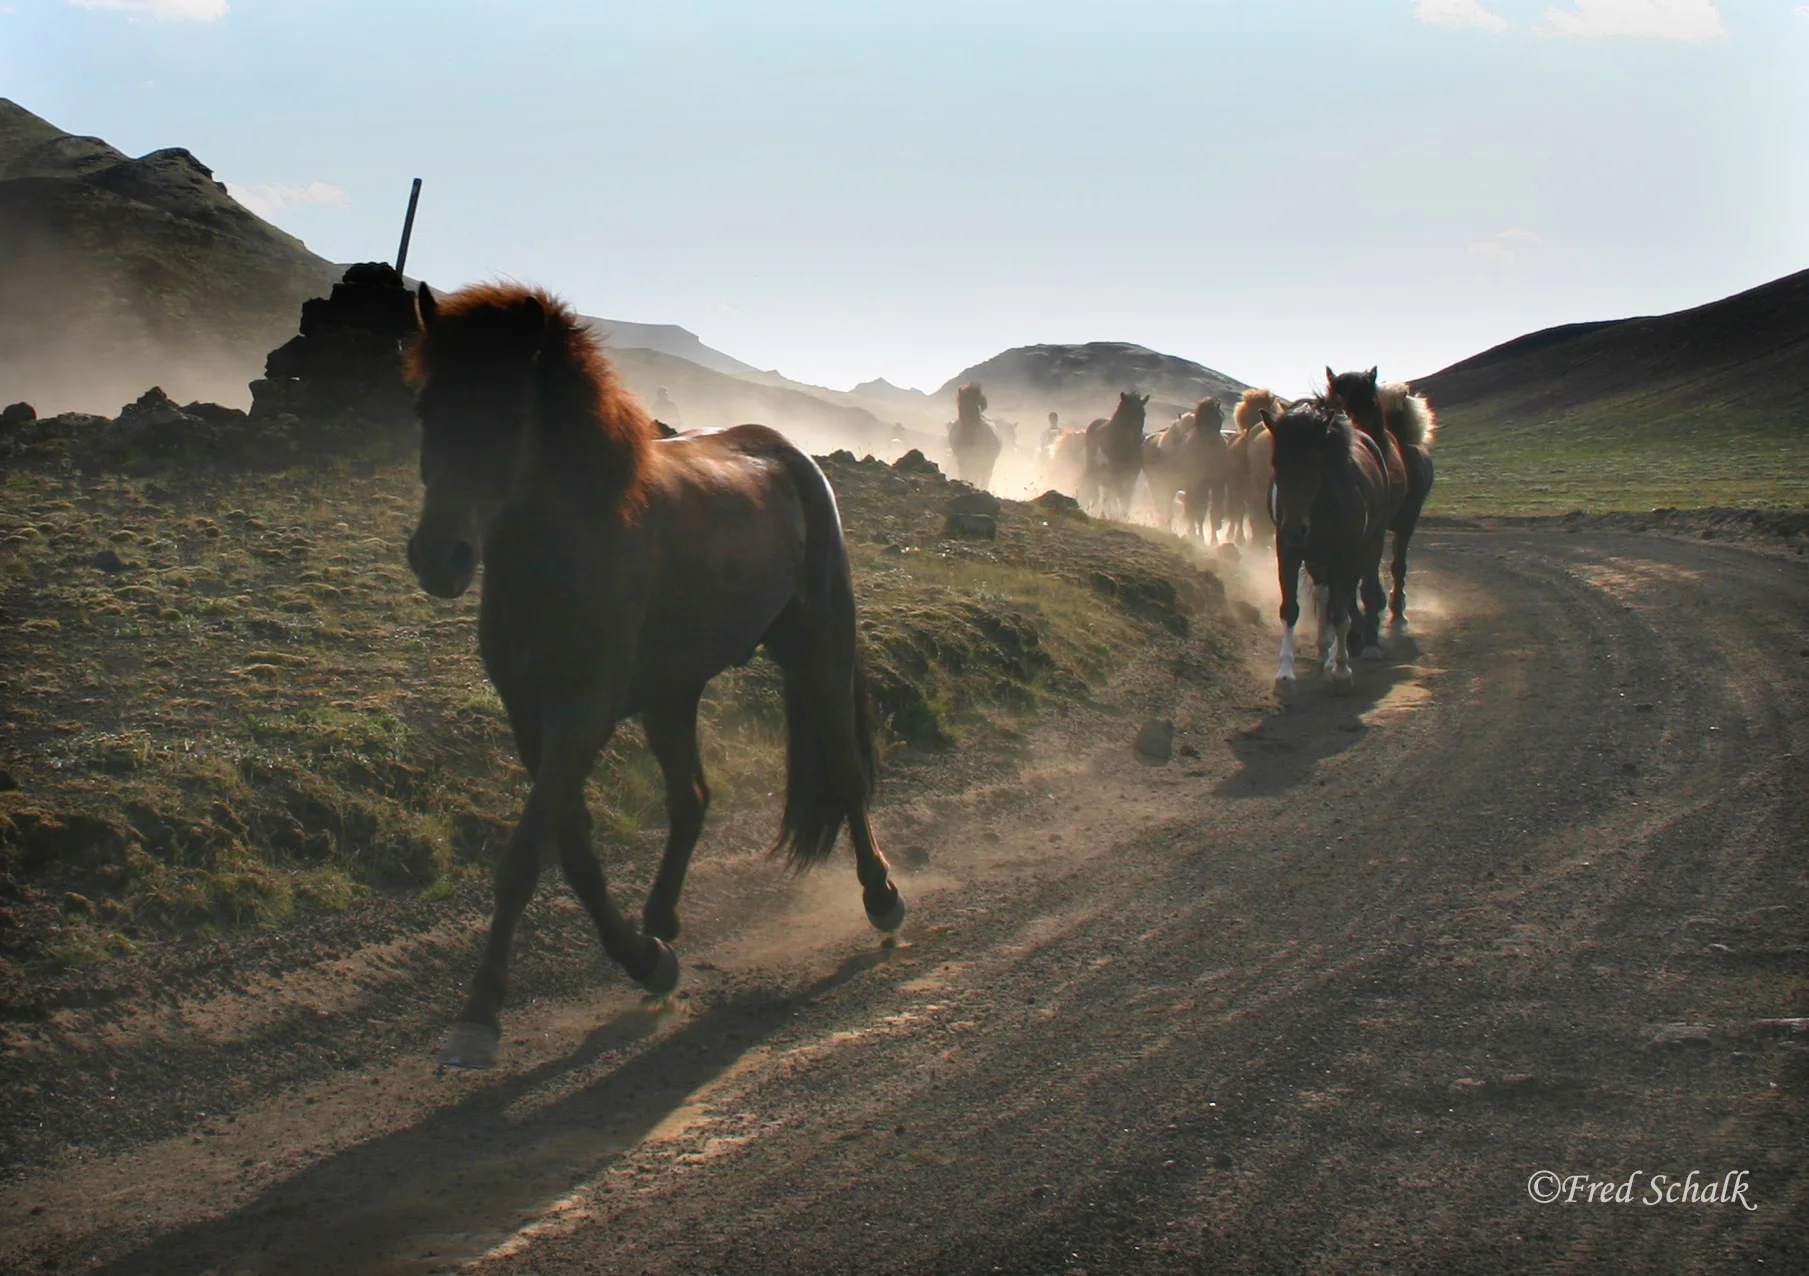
[
  {"x": 1209, "y": 418},
  {"x": 1130, "y": 408},
  {"x": 1308, "y": 439},
  {"x": 475, "y": 363},
  {"x": 1355, "y": 392},
  {"x": 970, "y": 402}
]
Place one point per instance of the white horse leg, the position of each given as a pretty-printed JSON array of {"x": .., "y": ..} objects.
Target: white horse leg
[
  {"x": 1285, "y": 670},
  {"x": 1340, "y": 664}
]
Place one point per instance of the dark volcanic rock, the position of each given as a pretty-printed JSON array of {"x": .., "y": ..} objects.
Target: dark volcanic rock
[
  {"x": 915, "y": 462},
  {"x": 970, "y": 500},
  {"x": 344, "y": 370},
  {"x": 977, "y": 526}
]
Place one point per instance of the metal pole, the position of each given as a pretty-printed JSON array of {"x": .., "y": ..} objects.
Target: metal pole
[{"x": 408, "y": 226}]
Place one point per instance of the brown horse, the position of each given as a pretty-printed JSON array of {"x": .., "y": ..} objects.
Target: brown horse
[
  {"x": 1248, "y": 466},
  {"x": 1115, "y": 457},
  {"x": 1335, "y": 493},
  {"x": 1391, "y": 407},
  {"x": 1189, "y": 459},
  {"x": 971, "y": 437},
  {"x": 621, "y": 574}
]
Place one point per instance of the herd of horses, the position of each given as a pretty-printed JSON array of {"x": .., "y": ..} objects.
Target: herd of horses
[
  {"x": 1325, "y": 478},
  {"x": 624, "y": 567}
]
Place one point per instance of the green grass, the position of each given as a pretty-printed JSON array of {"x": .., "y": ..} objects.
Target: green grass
[
  {"x": 263, "y": 716},
  {"x": 1622, "y": 455}
]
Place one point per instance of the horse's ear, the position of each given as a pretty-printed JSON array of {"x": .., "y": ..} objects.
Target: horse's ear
[
  {"x": 425, "y": 306},
  {"x": 1144, "y": 399},
  {"x": 1372, "y": 375},
  {"x": 1331, "y": 377},
  {"x": 1263, "y": 413}
]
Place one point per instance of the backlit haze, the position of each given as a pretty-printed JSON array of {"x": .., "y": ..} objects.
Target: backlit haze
[{"x": 899, "y": 190}]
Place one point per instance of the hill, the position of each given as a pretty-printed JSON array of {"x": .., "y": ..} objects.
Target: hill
[
  {"x": 1083, "y": 381},
  {"x": 1706, "y": 406},
  {"x": 117, "y": 273},
  {"x": 667, "y": 338}
]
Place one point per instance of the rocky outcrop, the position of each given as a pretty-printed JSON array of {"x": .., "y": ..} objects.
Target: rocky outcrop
[{"x": 345, "y": 368}]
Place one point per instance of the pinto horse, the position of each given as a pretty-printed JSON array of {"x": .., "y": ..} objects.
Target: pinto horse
[
  {"x": 1378, "y": 406},
  {"x": 1333, "y": 497},
  {"x": 621, "y": 574},
  {"x": 1115, "y": 457},
  {"x": 971, "y": 437}
]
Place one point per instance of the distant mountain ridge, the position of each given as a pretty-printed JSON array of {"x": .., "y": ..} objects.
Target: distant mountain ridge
[{"x": 667, "y": 338}]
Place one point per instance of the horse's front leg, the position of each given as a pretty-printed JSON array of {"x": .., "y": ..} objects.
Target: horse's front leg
[
  {"x": 568, "y": 745},
  {"x": 1343, "y": 596},
  {"x": 1288, "y": 564}
]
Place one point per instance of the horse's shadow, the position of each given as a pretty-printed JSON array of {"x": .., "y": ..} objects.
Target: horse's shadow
[
  {"x": 1317, "y": 720},
  {"x": 473, "y": 1171}
]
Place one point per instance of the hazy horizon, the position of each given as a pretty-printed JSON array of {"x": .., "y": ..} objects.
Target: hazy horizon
[{"x": 902, "y": 192}]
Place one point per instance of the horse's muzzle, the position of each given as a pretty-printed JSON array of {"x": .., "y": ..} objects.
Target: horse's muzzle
[{"x": 444, "y": 569}]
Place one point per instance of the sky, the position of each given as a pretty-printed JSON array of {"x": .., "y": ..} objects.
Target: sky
[{"x": 902, "y": 188}]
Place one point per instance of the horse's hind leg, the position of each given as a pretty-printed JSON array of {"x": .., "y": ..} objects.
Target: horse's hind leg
[
  {"x": 1374, "y": 600},
  {"x": 672, "y": 735},
  {"x": 1397, "y": 601}
]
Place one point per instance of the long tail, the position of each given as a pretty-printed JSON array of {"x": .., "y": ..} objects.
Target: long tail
[
  {"x": 1407, "y": 415},
  {"x": 831, "y": 760}
]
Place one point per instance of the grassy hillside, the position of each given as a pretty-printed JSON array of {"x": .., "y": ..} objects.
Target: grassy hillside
[
  {"x": 1704, "y": 407},
  {"x": 119, "y": 273},
  {"x": 227, "y": 702}
]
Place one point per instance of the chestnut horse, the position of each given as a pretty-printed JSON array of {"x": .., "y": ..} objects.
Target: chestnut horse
[
  {"x": 1390, "y": 405},
  {"x": 1334, "y": 495},
  {"x": 622, "y": 573},
  {"x": 1249, "y": 469}
]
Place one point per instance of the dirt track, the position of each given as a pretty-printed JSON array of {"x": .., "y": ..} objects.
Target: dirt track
[{"x": 1323, "y": 998}]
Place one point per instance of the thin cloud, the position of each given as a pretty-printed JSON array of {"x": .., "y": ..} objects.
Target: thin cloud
[
  {"x": 1511, "y": 244},
  {"x": 267, "y": 200},
  {"x": 1689, "y": 20},
  {"x": 1459, "y": 13},
  {"x": 163, "y": 10}
]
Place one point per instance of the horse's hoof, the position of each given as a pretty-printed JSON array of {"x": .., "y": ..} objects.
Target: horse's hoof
[
  {"x": 1372, "y": 652},
  {"x": 1342, "y": 675},
  {"x": 470, "y": 1045},
  {"x": 891, "y": 917},
  {"x": 663, "y": 978}
]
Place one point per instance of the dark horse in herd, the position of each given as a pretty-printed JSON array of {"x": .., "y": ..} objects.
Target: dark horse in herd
[
  {"x": 622, "y": 572},
  {"x": 1350, "y": 466}
]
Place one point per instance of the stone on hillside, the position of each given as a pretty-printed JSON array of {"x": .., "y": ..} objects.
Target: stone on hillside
[
  {"x": 915, "y": 462},
  {"x": 17, "y": 414},
  {"x": 970, "y": 500},
  {"x": 1055, "y": 502},
  {"x": 1156, "y": 741},
  {"x": 973, "y": 526}
]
